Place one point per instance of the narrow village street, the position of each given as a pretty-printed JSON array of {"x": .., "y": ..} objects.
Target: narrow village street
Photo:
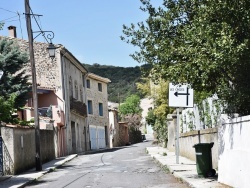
[{"x": 125, "y": 167}]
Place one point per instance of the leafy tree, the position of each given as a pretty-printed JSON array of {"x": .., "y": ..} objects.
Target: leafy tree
[
  {"x": 144, "y": 87},
  {"x": 134, "y": 120},
  {"x": 204, "y": 43},
  {"x": 1, "y": 25},
  {"x": 7, "y": 108},
  {"x": 131, "y": 105},
  {"x": 14, "y": 86},
  {"x": 131, "y": 113},
  {"x": 151, "y": 118}
]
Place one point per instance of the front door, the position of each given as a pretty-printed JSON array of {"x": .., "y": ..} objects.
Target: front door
[{"x": 73, "y": 136}]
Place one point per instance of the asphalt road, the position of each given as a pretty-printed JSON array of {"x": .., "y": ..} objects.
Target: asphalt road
[{"x": 125, "y": 167}]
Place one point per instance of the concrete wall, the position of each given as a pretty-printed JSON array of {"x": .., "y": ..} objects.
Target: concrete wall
[
  {"x": 113, "y": 128},
  {"x": 171, "y": 120},
  {"x": 20, "y": 148},
  {"x": 234, "y": 152},
  {"x": 189, "y": 139}
]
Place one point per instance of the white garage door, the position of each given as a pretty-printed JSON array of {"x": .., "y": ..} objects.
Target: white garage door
[
  {"x": 93, "y": 138},
  {"x": 101, "y": 137},
  {"x": 97, "y": 137}
]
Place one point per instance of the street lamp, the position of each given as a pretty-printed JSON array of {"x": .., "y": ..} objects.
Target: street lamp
[{"x": 52, "y": 50}]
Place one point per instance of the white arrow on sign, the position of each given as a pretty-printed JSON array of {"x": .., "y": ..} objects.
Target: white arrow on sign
[{"x": 181, "y": 96}]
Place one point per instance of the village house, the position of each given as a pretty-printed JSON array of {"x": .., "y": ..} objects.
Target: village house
[
  {"x": 61, "y": 96},
  {"x": 97, "y": 102}
]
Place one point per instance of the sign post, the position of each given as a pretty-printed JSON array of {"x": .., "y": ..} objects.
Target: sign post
[{"x": 180, "y": 96}]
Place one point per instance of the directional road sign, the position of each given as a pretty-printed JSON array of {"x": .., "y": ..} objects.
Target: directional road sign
[{"x": 181, "y": 96}]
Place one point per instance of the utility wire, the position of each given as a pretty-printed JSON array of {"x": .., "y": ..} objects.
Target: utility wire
[
  {"x": 43, "y": 34},
  {"x": 7, "y": 10},
  {"x": 8, "y": 18},
  {"x": 20, "y": 24}
]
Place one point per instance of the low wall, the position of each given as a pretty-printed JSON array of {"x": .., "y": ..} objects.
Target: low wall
[
  {"x": 19, "y": 148},
  {"x": 189, "y": 139},
  {"x": 171, "y": 120},
  {"x": 234, "y": 152}
]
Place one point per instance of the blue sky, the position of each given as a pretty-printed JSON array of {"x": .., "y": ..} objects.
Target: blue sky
[{"x": 89, "y": 29}]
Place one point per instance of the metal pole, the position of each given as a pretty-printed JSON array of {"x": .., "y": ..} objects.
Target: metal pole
[
  {"x": 34, "y": 86},
  {"x": 177, "y": 137}
]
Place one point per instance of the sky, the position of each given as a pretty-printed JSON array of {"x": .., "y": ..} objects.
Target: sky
[{"x": 89, "y": 29}]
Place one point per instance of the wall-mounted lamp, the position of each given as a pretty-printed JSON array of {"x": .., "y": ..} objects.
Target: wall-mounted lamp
[{"x": 52, "y": 50}]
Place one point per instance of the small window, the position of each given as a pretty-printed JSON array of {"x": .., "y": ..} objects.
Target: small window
[
  {"x": 81, "y": 95},
  {"x": 90, "y": 107},
  {"x": 70, "y": 87},
  {"x": 100, "y": 109},
  {"x": 88, "y": 83},
  {"x": 76, "y": 91},
  {"x": 99, "y": 87},
  {"x": 83, "y": 81}
]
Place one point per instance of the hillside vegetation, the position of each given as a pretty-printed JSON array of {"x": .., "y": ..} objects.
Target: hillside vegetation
[{"x": 123, "y": 80}]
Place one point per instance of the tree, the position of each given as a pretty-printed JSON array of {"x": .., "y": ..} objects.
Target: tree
[
  {"x": 131, "y": 105},
  {"x": 204, "y": 43},
  {"x": 1, "y": 25},
  {"x": 14, "y": 86}
]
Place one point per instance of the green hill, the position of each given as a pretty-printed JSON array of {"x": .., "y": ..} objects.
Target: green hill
[{"x": 123, "y": 79}]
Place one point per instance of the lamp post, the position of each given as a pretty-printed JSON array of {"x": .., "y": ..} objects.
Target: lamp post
[{"x": 34, "y": 83}]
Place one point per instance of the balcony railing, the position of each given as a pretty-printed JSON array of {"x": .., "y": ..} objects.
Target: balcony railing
[{"x": 78, "y": 107}]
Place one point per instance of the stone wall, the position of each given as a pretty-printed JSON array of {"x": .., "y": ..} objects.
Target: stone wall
[
  {"x": 20, "y": 149},
  {"x": 47, "y": 71},
  {"x": 123, "y": 134}
]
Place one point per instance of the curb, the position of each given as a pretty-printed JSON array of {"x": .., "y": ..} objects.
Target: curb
[
  {"x": 50, "y": 169},
  {"x": 166, "y": 168}
]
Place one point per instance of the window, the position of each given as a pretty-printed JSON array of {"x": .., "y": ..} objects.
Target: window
[
  {"x": 76, "y": 91},
  {"x": 81, "y": 95},
  {"x": 100, "y": 109},
  {"x": 70, "y": 87},
  {"x": 83, "y": 81},
  {"x": 90, "y": 107},
  {"x": 99, "y": 87},
  {"x": 88, "y": 83}
]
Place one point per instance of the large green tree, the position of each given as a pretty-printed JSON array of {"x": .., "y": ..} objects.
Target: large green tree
[
  {"x": 131, "y": 105},
  {"x": 14, "y": 86},
  {"x": 205, "y": 43}
]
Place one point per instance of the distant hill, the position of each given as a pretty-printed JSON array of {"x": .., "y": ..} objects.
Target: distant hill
[{"x": 123, "y": 80}]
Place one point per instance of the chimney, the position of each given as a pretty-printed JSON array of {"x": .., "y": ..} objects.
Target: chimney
[{"x": 12, "y": 31}]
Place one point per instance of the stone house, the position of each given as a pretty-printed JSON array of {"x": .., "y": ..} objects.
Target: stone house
[
  {"x": 118, "y": 131},
  {"x": 113, "y": 124},
  {"x": 146, "y": 104},
  {"x": 97, "y": 102},
  {"x": 61, "y": 96}
]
